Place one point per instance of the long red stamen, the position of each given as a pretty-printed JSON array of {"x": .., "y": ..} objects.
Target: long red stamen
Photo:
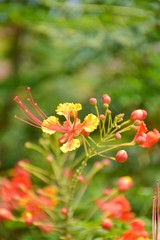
[
  {"x": 29, "y": 117},
  {"x": 32, "y": 119},
  {"x": 21, "y": 119},
  {"x": 35, "y": 105}
]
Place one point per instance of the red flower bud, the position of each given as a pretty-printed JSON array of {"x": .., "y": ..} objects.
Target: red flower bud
[
  {"x": 118, "y": 136},
  {"x": 106, "y": 98},
  {"x": 98, "y": 165},
  {"x": 101, "y": 116},
  {"x": 124, "y": 183},
  {"x": 106, "y": 162},
  {"x": 107, "y": 224},
  {"x": 138, "y": 115},
  {"x": 93, "y": 101},
  {"x": 121, "y": 156},
  {"x": 49, "y": 158},
  {"x": 105, "y": 105},
  {"x": 81, "y": 179}
]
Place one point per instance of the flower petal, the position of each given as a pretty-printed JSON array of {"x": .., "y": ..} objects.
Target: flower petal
[
  {"x": 90, "y": 122},
  {"x": 70, "y": 145},
  {"x": 152, "y": 138},
  {"x": 68, "y": 109},
  {"x": 51, "y": 125}
]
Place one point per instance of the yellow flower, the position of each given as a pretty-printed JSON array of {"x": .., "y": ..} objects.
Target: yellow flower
[{"x": 71, "y": 127}]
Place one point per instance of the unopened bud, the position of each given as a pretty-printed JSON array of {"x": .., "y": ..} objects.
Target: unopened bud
[
  {"x": 121, "y": 156},
  {"x": 106, "y": 98},
  {"x": 106, "y": 162},
  {"x": 109, "y": 111},
  {"x": 98, "y": 165},
  {"x": 124, "y": 183},
  {"x": 118, "y": 136},
  {"x": 64, "y": 211},
  {"x": 138, "y": 114},
  {"x": 93, "y": 101},
  {"x": 101, "y": 116},
  {"x": 80, "y": 178},
  {"x": 49, "y": 158},
  {"x": 107, "y": 224},
  {"x": 105, "y": 105}
]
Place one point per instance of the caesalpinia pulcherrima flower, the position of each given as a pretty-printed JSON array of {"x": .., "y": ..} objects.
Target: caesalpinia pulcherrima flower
[
  {"x": 138, "y": 114},
  {"x": 17, "y": 194},
  {"x": 71, "y": 128},
  {"x": 144, "y": 138},
  {"x": 48, "y": 207},
  {"x": 116, "y": 208},
  {"x": 136, "y": 231}
]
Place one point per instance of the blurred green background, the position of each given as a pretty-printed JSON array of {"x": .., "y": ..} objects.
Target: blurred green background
[{"x": 72, "y": 50}]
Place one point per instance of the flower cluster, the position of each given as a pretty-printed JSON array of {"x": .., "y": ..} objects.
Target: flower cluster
[
  {"x": 17, "y": 194},
  {"x": 69, "y": 128},
  {"x": 72, "y": 127},
  {"x": 135, "y": 232},
  {"x": 61, "y": 206}
]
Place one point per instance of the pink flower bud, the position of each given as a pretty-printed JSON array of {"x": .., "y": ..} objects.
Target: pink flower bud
[
  {"x": 64, "y": 211},
  {"x": 80, "y": 179},
  {"x": 118, "y": 136},
  {"x": 106, "y": 98},
  {"x": 105, "y": 105},
  {"x": 109, "y": 111},
  {"x": 67, "y": 173},
  {"x": 121, "y": 156},
  {"x": 49, "y": 158},
  {"x": 93, "y": 101},
  {"x": 107, "y": 191},
  {"x": 5, "y": 214},
  {"x": 40, "y": 191},
  {"x": 101, "y": 116},
  {"x": 124, "y": 183},
  {"x": 106, "y": 162},
  {"x": 107, "y": 224},
  {"x": 138, "y": 115},
  {"x": 98, "y": 165}
]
